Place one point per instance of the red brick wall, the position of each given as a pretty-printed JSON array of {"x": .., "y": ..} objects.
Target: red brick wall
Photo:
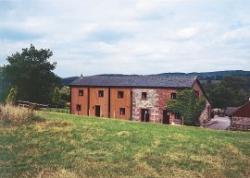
[
  {"x": 164, "y": 97},
  {"x": 81, "y": 100},
  {"x": 96, "y": 100},
  {"x": 244, "y": 111},
  {"x": 117, "y": 103}
]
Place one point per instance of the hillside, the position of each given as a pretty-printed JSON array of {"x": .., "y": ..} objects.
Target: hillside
[
  {"x": 71, "y": 146},
  {"x": 218, "y": 75},
  {"x": 68, "y": 80}
]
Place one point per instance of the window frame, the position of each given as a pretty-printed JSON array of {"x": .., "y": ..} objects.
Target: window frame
[
  {"x": 120, "y": 94},
  {"x": 81, "y": 91},
  {"x": 122, "y": 111},
  {"x": 173, "y": 95},
  {"x": 100, "y": 93},
  {"x": 144, "y": 95},
  {"x": 78, "y": 107}
]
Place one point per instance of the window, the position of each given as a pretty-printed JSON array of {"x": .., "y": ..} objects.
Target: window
[
  {"x": 122, "y": 111},
  {"x": 120, "y": 94},
  {"x": 78, "y": 107},
  {"x": 197, "y": 94},
  {"x": 144, "y": 95},
  {"x": 101, "y": 93},
  {"x": 173, "y": 95},
  {"x": 80, "y": 93}
]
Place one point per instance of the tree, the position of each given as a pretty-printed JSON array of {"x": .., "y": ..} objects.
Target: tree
[
  {"x": 4, "y": 86},
  {"x": 231, "y": 91},
  {"x": 32, "y": 73},
  {"x": 61, "y": 96},
  {"x": 56, "y": 98},
  {"x": 188, "y": 106},
  {"x": 65, "y": 94},
  {"x": 11, "y": 98}
]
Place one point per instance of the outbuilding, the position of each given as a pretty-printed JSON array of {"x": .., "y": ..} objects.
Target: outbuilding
[{"x": 240, "y": 119}]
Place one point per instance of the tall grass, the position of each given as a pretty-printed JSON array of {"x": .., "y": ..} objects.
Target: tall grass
[
  {"x": 15, "y": 114},
  {"x": 61, "y": 110}
]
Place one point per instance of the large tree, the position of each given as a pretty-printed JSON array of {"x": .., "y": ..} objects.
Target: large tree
[
  {"x": 4, "y": 85},
  {"x": 188, "y": 106},
  {"x": 31, "y": 73}
]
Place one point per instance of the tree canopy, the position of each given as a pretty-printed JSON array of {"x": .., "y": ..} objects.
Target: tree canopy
[
  {"x": 231, "y": 91},
  {"x": 188, "y": 106},
  {"x": 31, "y": 73},
  {"x": 4, "y": 85}
]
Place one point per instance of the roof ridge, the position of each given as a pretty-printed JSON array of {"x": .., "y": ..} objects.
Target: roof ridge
[{"x": 136, "y": 81}]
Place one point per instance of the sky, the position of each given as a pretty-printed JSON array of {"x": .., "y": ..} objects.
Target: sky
[{"x": 130, "y": 36}]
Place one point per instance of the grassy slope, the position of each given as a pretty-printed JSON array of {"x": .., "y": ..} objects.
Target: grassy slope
[{"x": 70, "y": 146}]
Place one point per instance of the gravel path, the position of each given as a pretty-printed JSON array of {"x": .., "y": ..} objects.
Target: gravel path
[{"x": 220, "y": 123}]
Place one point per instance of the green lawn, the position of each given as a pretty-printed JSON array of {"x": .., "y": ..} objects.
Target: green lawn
[{"x": 71, "y": 146}]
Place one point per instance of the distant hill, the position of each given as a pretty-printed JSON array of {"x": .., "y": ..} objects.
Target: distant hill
[
  {"x": 68, "y": 80},
  {"x": 218, "y": 75}
]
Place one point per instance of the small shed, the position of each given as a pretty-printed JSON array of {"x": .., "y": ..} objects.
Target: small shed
[{"x": 240, "y": 119}]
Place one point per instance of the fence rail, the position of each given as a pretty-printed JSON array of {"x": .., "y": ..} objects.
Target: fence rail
[{"x": 31, "y": 105}]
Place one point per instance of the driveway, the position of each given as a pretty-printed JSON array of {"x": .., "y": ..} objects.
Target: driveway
[{"x": 220, "y": 123}]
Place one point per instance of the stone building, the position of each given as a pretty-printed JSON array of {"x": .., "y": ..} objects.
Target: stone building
[
  {"x": 240, "y": 119},
  {"x": 132, "y": 97}
]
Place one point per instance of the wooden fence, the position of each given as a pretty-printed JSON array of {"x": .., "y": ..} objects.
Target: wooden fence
[{"x": 31, "y": 105}]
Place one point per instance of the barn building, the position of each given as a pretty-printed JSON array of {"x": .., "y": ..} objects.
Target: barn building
[
  {"x": 240, "y": 119},
  {"x": 132, "y": 97}
]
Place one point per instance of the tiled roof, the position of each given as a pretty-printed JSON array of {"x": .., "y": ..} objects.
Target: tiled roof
[{"x": 136, "y": 81}]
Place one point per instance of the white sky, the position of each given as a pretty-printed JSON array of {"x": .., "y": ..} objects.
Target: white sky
[{"x": 130, "y": 36}]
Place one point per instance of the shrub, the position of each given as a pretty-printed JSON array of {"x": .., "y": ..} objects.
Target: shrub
[
  {"x": 17, "y": 115},
  {"x": 60, "y": 97},
  {"x": 11, "y": 98},
  {"x": 188, "y": 106}
]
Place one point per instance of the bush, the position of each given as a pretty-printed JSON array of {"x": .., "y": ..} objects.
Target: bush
[
  {"x": 60, "y": 97},
  {"x": 11, "y": 98},
  {"x": 17, "y": 115},
  {"x": 188, "y": 106}
]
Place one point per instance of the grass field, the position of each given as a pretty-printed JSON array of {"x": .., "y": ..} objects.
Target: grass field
[{"x": 71, "y": 146}]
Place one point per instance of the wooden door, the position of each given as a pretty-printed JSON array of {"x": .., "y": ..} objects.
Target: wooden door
[
  {"x": 97, "y": 111},
  {"x": 145, "y": 116},
  {"x": 166, "y": 117}
]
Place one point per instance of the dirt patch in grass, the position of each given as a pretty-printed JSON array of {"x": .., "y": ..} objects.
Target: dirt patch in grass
[
  {"x": 123, "y": 134},
  {"x": 60, "y": 173},
  {"x": 62, "y": 124}
]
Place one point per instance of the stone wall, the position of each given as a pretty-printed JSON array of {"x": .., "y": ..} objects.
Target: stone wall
[
  {"x": 150, "y": 103},
  {"x": 155, "y": 103},
  {"x": 205, "y": 115},
  {"x": 240, "y": 123}
]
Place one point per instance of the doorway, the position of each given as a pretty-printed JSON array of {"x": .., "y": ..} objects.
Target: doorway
[
  {"x": 166, "y": 117},
  {"x": 145, "y": 117},
  {"x": 97, "y": 110}
]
